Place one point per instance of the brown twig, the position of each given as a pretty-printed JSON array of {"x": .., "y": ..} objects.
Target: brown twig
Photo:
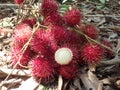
[{"x": 76, "y": 29}]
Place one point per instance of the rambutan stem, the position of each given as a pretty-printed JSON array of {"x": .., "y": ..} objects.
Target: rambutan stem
[
  {"x": 20, "y": 7},
  {"x": 76, "y": 29},
  {"x": 60, "y": 82}
]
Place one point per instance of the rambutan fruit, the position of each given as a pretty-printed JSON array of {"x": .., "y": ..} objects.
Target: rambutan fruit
[
  {"x": 74, "y": 37},
  {"x": 54, "y": 19},
  {"x": 68, "y": 71},
  {"x": 18, "y": 56},
  {"x": 31, "y": 21},
  {"x": 22, "y": 33},
  {"x": 107, "y": 53},
  {"x": 63, "y": 56},
  {"x": 59, "y": 33},
  {"x": 43, "y": 42},
  {"x": 92, "y": 53},
  {"x": 90, "y": 31},
  {"x": 73, "y": 16},
  {"x": 48, "y": 7},
  {"x": 66, "y": 54},
  {"x": 18, "y": 1},
  {"x": 42, "y": 70}
]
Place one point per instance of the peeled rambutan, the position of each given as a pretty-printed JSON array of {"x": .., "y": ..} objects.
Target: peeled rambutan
[
  {"x": 73, "y": 16},
  {"x": 68, "y": 71},
  {"x": 22, "y": 33},
  {"x": 18, "y": 56},
  {"x": 48, "y": 7},
  {"x": 18, "y": 1},
  {"x": 107, "y": 53},
  {"x": 91, "y": 31},
  {"x": 92, "y": 53},
  {"x": 66, "y": 54},
  {"x": 42, "y": 70},
  {"x": 54, "y": 19},
  {"x": 31, "y": 21}
]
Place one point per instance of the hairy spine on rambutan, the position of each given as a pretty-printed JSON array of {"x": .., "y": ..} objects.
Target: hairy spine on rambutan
[
  {"x": 91, "y": 31},
  {"x": 42, "y": 70},
  {"x": 74, "y": 37},
  {"x": 73, "y": 16},
  {"x": 68, "y": 71},
  {"x": 54, "y": 19},
  {"x": 107, "y": 53},
  {"x": 48, "y": 7},
  {"x": 59, "y": 33},
  {"x": 31, "y": 21},
  {"x": 20, "y": 58},
  {"x": 22, "y": 33},
  {"x": 92, "y": 53},
  {"x": 43, "y": 42},
  {"x": 18, "y": 1}
]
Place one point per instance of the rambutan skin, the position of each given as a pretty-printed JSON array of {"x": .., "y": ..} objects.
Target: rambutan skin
[
  {"x": 74, "y": 37},
  {"x": 68, "y": 71},
  {"x": 92, "y": 53},
  {"x": 48, "y": 7},
  {"x": 59, "y": 33},
  {"x": 75, "y": 49},
  {"x": 91, "y": 31},
  {"x": 73, "y": 17},
  {"x": 62, "y": 35},
  {"x": 31, "y": 21},
  {"x": 18, "y": 56},
  {"x": 107, "y": 53},
  {"x": 22, "y": 33},
  {"x": 42, "y": 70},
  {"x": 54, "y": 19},
  {"x": 18, "y": 1},
  {"x": 43, "y": 42}
]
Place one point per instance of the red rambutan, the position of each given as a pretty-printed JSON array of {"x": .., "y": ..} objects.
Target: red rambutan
[
  {"x": 90, "y": 31},
  {"x": 68, "y": 71},
  {"x": 73, "y": 17},
  {"x": 54, "y": 19},
  {"x": 48, "y": 7},
  {"x": 74, "y": 38},
  {"x": 18, "y": 56},
  {"x": 107, "y": 53},
  {"x": 18, "y": 1},
  {"x": 92, "y": 53},
  {"x": 59, "y": 33},
  {"x": 43, "y": 42},
  {"x": 42, "y": 70},
  {"x": 22, "y": 33},
  {"x": 31, "y": 21}
]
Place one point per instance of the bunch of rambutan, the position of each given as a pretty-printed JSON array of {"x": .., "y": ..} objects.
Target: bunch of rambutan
[{"x": 58, "y": 48}]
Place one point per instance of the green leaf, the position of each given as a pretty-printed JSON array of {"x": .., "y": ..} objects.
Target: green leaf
[
  {"x": 102, "y": 1},
  {"x": 100, "y": 7},
  {"x": 64, "y": 1},
  {"x": 64, "y": 7}
]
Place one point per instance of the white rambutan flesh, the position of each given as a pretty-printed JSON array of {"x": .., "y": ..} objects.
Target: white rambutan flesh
[{"x": 63, "y": 56}]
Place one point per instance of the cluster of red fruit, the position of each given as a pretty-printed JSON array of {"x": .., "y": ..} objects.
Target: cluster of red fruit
[{"x": 57, "y": 49}]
